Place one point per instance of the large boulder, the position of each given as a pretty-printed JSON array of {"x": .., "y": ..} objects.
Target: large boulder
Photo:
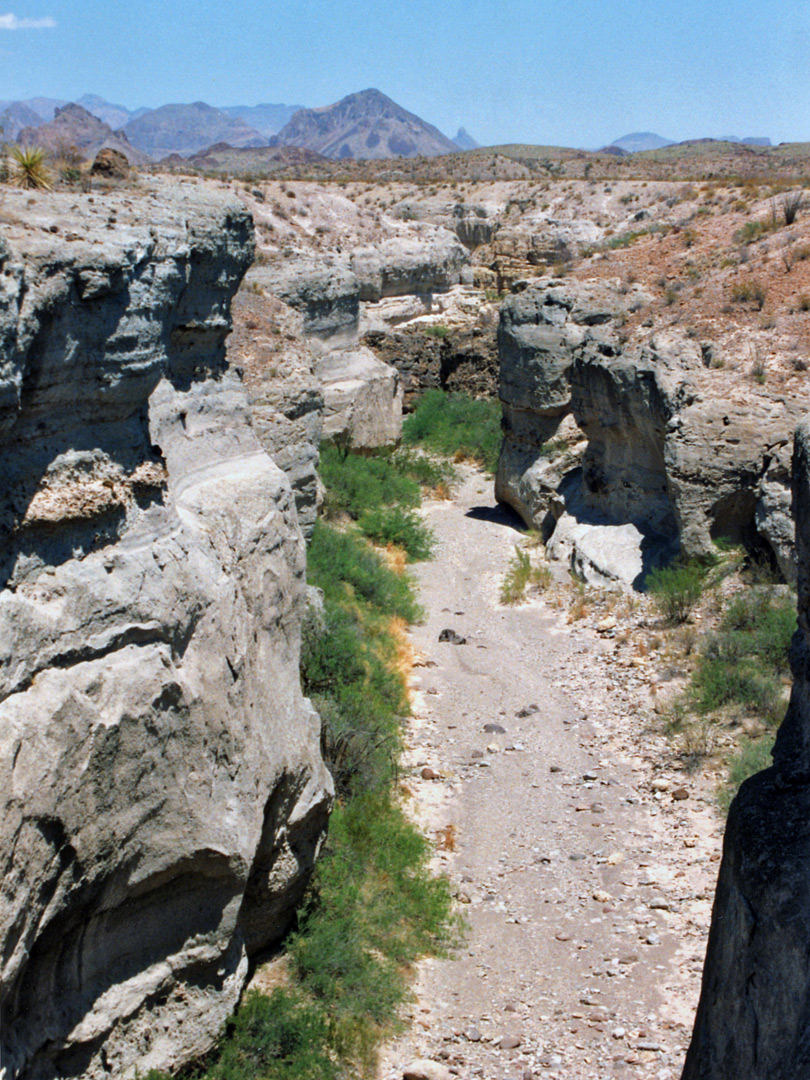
[
  {"x": 753, "y": 1019},
  {"x": 362, "y": 398},
  {"x": 162, "y": 795}
]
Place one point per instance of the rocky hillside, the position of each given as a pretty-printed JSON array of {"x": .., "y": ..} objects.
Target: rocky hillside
[
  {"x": 365, "y": 125},
  {"x": 74, "y": 126},
  {"x": 186, "y": 129},
  {"x": 161, "y": 785}
]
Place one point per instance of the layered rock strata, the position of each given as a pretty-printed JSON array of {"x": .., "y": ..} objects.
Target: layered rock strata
[
  {"x": 162, "y": 792},
  {"x": 754, "y": 1014},
  {"x": 362, "y": 394},
  {"x": 665, "y": 454}
]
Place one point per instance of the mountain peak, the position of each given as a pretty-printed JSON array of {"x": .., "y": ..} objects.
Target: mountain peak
[{"x": 366, "y": 124}]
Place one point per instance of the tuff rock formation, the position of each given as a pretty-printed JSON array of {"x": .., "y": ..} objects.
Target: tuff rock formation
[
  {"x": 336, "y": 296},
  {"x": 161, "y": 790},
  {"x": 754, "y": 1014},
  {"x": 667, "y": 461}
]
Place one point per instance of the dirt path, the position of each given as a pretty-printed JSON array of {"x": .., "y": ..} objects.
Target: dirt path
[{"x": 586, "y": 883}]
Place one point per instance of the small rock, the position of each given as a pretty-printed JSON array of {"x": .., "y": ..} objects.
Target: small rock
[
  {"x": 426, "y": 1070},
  {"x": 527, "y": 710},
  {"x": 509, "y": 1042},
  {"x": 604, "y": 625},
  {"x": 563, "y": 937},
  {"x": 680, "y": 794},
  {"x": 452, "y": 637},
  {"x": 659, "y": 903},
  {"x": 429, "y": 774},
  {"x": 653, "y": 939},
  {"x": 660, "y": 784},
  {"x": 618, "y": 1033},
  {"x": 472, "y": 1034},
  {"x": 589, "y": 777},
  {"x": 602, "y": 897},
  {"x": 477, "y": 754},
  {"x": 615, "y": 858},
  {"x": 494, "y": 729},
  {"x": 597, "y": 808}
]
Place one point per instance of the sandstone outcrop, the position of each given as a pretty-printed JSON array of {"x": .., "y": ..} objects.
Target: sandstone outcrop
[
  {"x": 664, "y": 454},
  {"x": 162, "y": 792},
  {"x": 754, "y": 1014}
]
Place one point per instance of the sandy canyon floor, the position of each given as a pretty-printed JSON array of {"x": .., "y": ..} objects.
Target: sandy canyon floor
[{"x": 584, "y": 865}]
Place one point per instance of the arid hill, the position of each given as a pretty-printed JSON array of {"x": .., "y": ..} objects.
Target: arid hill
[
  {"x": 186, "y": 129},
  {"x": 365, "y": 125},
  {"x": 74, "y": 126}
]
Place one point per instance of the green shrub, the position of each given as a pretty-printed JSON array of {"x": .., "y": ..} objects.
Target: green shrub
[
  {"x": 359, "y": 482},
  {"x": 742, "y": 663},
  {"x": 438, "y": 331},
  {"x": 344, "y": 566},
  {"x": 457, "y": 426},
  {"x": 519, "y": 575},
  {"x": 29, "y": 168},
  {"x": 752, "y": 757},
  {"x": 395, "y": 525},
  {"x": 514, "y": 583},
  {"x": 676, "y": 589}
]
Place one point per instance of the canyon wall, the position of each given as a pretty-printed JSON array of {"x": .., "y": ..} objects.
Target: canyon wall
[
  {"x": 672, "y": 454},
  {"x": 163, "y": 796},
  {"x": 754, "y": 1014}
]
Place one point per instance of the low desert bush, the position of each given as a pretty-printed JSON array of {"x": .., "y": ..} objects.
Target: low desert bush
[
  {"x": 381, "y": 492},
  {"x": 743, "y": 662},
  {"x": 520, "y": 574},
  {"x": 399, "y": 526},
  {"x": 457, "y": 426},
  {"x": 676, "y": 589},
  {"x": 753, "y": 756}
]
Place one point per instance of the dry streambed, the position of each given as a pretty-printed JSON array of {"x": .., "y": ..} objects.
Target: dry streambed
[{"x": 585, "y": 869}]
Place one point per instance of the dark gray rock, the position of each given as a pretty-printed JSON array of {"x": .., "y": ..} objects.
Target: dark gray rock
[{"x": 753, "y": 1019}]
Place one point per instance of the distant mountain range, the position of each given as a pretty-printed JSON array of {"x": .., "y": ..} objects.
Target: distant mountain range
[
  {"x": 363, "y": 125},
  {"x": 73, "y": 126},
  {"x": 639, "y": 141}
]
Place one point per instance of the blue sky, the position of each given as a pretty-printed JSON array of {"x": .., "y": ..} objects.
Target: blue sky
[{"x": 567, "y": 72}]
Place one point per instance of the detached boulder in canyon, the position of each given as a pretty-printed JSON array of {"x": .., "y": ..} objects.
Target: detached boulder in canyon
[{"x": 162, "y": 792}]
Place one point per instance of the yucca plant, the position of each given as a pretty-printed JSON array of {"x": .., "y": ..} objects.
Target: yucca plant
[{"x": 29, "y": 169}]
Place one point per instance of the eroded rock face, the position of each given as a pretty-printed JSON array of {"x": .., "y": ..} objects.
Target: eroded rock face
[
  {"x": 665, "y": 453},
  {"x": 463, "y": 360},
  {"x": 162, "y": 792},
  {"x": 754, "y": 1014}
]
